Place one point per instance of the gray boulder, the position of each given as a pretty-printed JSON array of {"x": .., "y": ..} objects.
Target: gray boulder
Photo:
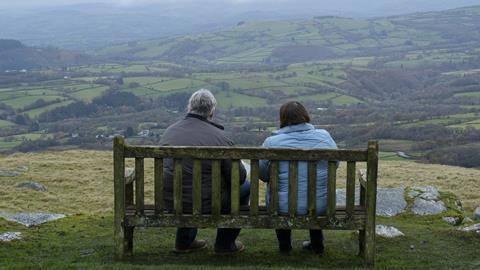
[
  {"x": 452, "y": 220},
  {"x": 390, "y": 201},
  {"x": 30, "y": 219},
  {"x": 387, "y": 231},
  {"x": 473, "y": 228},
  {"x": 476, "y": 213},
  {"x": 9, "y": 236},
  {"x": 32, "y": 185},
  {"x": 425, "y": 207}
]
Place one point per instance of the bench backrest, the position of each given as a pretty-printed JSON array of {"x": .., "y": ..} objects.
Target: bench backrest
[{"x": 124, "y": 193}]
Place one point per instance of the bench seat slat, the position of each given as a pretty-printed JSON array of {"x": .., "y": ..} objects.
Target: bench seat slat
[
  {"x": 254, "y": 177},
  {"x": 216, "y": 177},
  {"x": 312, "y": 188},
  {"x": 350, "y": 193},
  {"x": 177, "y": 186},
  {"x": 139, "y": 184},
  {"x": 197, "y": 186},
  {"x": 158, "y": 178},
  {"x": 331, "y": 189},
  {"x": 273, "y": 183},
  {"x": 235, "y": 187},
  {"x": 292, "y": 187}
]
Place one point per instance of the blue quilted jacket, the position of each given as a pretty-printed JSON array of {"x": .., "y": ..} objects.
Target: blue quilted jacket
[{"x": 299, "y": 136}]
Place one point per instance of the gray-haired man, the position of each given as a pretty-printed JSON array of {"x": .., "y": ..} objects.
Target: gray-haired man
[{"x": 198, "y": 129}]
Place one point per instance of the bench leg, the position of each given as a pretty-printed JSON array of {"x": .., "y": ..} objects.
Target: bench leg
[
  {"x": 367, "y": 245},
  {"x": 361, "y": 243},
  {"x": 123, "y": 242}
]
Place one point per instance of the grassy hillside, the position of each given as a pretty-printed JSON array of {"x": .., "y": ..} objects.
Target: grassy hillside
[
  {"x": 80, "y": 184},
  {"x": 89, "y": 173},
  {"x": 321, "y": 38}
]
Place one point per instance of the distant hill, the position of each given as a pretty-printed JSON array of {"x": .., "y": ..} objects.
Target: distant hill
[
  {"x": 96, "y": 24},
  {"x": 323, "y": 37},
  {"x": 16, "y": 56}
]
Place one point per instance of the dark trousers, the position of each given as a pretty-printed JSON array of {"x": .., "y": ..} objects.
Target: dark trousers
[
  {"x": 285, "y": 239},
  {"x": 225, "y": 237}
]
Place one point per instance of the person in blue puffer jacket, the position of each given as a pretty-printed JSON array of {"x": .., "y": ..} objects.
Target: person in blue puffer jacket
[{"x": 297, "y": 132}]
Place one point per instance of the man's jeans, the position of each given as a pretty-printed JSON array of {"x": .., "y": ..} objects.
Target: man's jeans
[{"x": 225, "y": 237}]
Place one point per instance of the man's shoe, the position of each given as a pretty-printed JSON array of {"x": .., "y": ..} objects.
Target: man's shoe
[
  {"x": 307, "y": 245},
  {"x": 285, "y": 251},
  {"x": 238, "y": 247},
  {"x": 196, "y": 245}
]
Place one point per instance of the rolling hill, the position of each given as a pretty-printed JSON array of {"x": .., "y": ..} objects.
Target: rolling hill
[
  {"x": 325, "y": 37},
  {"x": 16, "y": 56}
]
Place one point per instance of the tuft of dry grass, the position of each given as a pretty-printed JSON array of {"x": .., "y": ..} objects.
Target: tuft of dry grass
[{"x": 81, "y": 181}]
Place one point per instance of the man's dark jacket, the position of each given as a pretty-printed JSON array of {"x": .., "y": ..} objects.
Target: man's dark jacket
[{"x": 195, "y": 130}]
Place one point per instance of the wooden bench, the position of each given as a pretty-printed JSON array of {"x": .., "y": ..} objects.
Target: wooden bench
[{"x": 131, "y": 211}]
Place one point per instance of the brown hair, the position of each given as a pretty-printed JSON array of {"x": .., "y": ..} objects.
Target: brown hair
[{"x": 293, "y": 113}]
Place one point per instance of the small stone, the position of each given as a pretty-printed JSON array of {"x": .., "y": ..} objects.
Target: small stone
[
  {"x": 458, "y": 205},
  {"x": 467, "y": 220},
  {"x": 413, "y": 193},
  {"x": 412, "y": 247},
  {"x": 452, "y": 220},
  {"x": 387, "y": 231},
  {"x": 425, "y": 207},
  {"x": 86, "y": 252},
  {"x": 30, "y": 219},
  {"x": 9, "y": 173},
  {"x": 9, "y": 236},
  {"x": 473, "y": 228},
  {"x": 476, "y": 213},
  {"x": 22, "y": 168},
  {"x": 32, "y": 185}
]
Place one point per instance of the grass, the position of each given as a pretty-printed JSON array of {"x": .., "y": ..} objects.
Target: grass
[
  {"x": 5, "y": 123},
  {"x": 85, "y": 242},
  {"x": 90, "y": 173},
  {"x": 80, "y": 184}
]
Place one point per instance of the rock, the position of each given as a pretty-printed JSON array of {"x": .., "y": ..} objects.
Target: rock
[
  {"x": 452, "y": 220},
  {"x": 458, "y": 205},
  {"x": 423, "y": 207},
  {"x": 9, "y": 236},
  {"x": 32, "y": 185},
  {"x": 390, "y": 201},
  {"x": 9, "y": 173},
  {"x": 425, "y": 192},
  {"x": 387, "y": 231},
  {"x": 473, "y": 228},
  {"x": 129, "y": 175},
  {"x": 86, "y": 252},
  {"x": 22, "y": 168},
  {"x": 30, "y": 219},
  {"x": 476, "y": 213},
  {"x": 467, "y": 220}
]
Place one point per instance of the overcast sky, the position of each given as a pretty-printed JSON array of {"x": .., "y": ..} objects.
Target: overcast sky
[{"x": 34, "y": 3}]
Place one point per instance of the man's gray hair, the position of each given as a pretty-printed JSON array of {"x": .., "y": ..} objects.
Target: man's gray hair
[{"x": 202, "y": 102}]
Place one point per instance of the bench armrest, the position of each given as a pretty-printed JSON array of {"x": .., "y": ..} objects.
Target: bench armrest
[
  {"x": 129, "y": 175},
  {"x": 362, "y": 177}
]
